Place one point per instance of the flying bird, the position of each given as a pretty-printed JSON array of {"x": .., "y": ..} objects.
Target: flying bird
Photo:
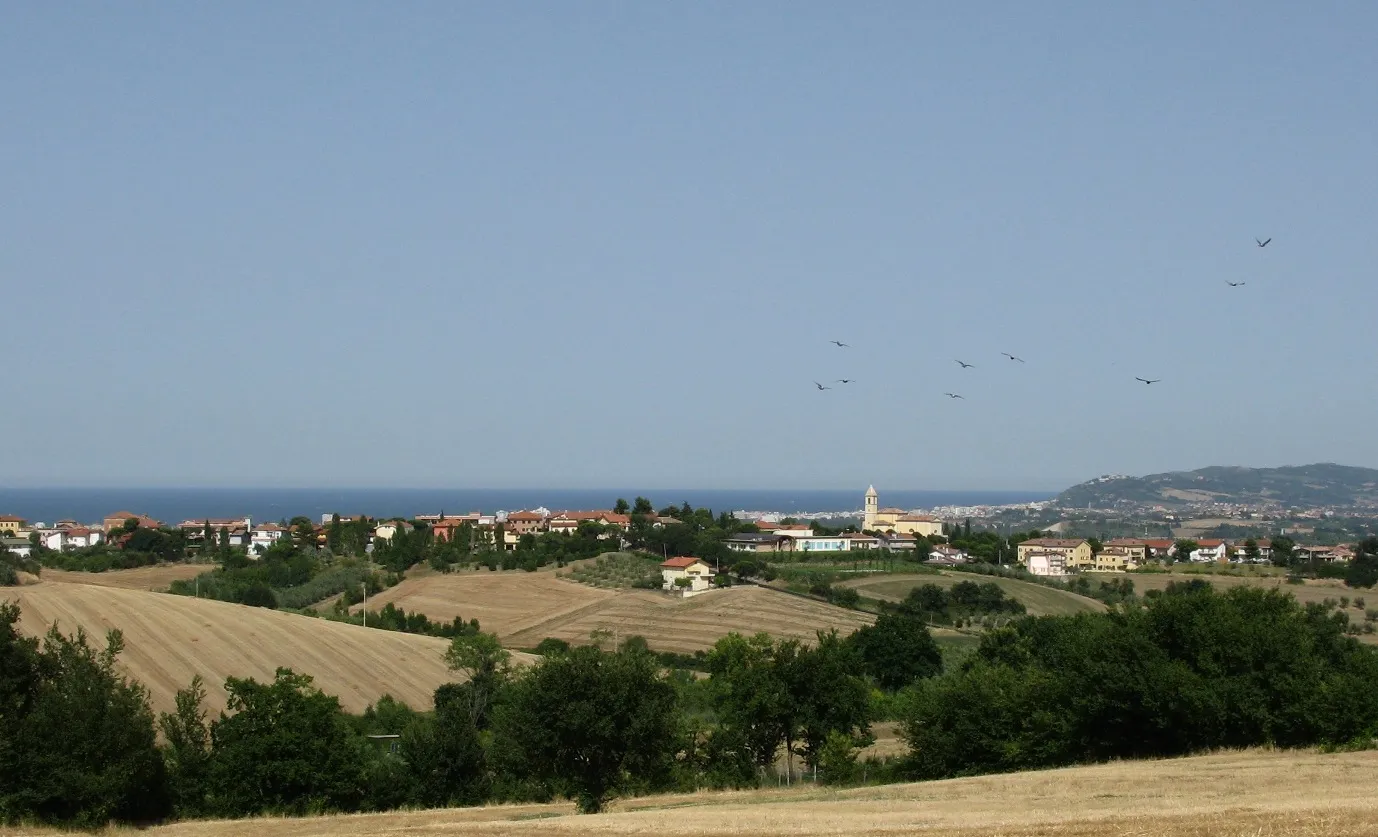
[
  {"x": 1012, "y": 357},
  {"x": 839, "y": 344},
  {"x": 845, "y": 380},
  {"x": 820, "y": 386},
  {"x": 964, "y": 364},
  {"x": 953, "y": 395},
  {"x": 1233, "y": 284},
  {"x": 1264, "y": 242},
  {"x": 1147, "y": 381}
]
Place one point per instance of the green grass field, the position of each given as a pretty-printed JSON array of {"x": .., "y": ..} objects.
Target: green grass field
[{"x": 1040, "y": 600}]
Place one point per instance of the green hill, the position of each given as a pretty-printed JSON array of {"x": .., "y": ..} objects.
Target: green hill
[{"x": 1293, "y": 486}]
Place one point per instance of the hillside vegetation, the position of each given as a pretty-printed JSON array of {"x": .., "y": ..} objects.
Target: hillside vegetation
[
  {"x": 1039, "y": 599},
  {"x": 1292, "y": 486},
  {"x": 1298, "y": 794}
]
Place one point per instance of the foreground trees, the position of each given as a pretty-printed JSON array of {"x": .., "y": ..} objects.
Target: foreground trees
[
  {"x": 1191, "y": 670},
  {"x": 589, "y": 722}
]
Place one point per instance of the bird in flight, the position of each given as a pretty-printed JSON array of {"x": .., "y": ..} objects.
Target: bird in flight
[
  {"x": 1233, "y": 284},
  {"x": 1147, "y": 381},
  {"x": 1264, "y": 242},
  {"x": 820, "y": 386},
  {"x": 964, "y": 364},
  {"x": 1012, "y": 357},
  {"x": 845, "y": 380},
  {"x": 953, "y": 395},
  {"x": 839, "y": 344}
]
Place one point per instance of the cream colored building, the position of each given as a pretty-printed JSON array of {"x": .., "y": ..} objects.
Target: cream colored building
[
  {"x": 1114, "y": 559},
  {"x": 897, "y": 521},
  {"x": 686, "y": 576},
  {"x": 1076, "y": 551}
]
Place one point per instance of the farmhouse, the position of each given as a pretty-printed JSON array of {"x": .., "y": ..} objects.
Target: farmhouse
[{"x": 686, "y": 576}]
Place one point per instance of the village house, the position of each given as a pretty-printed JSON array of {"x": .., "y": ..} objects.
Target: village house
[
  {"x": 1115, "y": 559},
  {"x": 946, "y": 555},
  {"x": 1045, "y": 563},
  {"x": 12, "y": 526},
  {"x": 896, "y": 542},
  {"x": 263, "y": 536},
  {"x": 753, "y": 542},
  {"x": 686, "y": 576},
  {"x": 1209, "y": 550},
  {"x": 386, "y": 530},
  {"x": 117, "y": 521},
  {"x": 1076, "y": 552},
  {"x": 19, "y": 546},
  {"x": 858, "y": 541},
  {"x": 524, "y": 522},
  {"x": 1160, "y": 549},
  {"x": 1135, "y": 548},
  {"x": 806, "y": 541}
]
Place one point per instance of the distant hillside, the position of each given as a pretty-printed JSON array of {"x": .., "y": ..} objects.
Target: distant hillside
[{"x": 1292, "y": 486}]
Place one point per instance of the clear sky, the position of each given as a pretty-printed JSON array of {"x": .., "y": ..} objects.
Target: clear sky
[{"x": 605, "y": 244}]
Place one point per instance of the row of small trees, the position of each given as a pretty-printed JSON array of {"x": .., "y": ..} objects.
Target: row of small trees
[{"x": 1185, "y": 671}]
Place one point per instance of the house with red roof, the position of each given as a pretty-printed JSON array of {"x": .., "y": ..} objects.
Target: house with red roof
[{"x": 686, "y": 576}]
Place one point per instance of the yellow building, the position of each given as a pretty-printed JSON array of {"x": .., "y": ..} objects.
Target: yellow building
[
  {"x": 1076, "y": 551},
  {"x": 897, "y": 521}
]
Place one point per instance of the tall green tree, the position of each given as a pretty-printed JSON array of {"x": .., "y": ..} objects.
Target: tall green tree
[
  {"x": 284, "y": 747},
  {"x": 897, "y": 651},
  {"x": 621, "y": 506},
  {"x": 486, "y": 666},
  {"x": 1363, "y": 568},
  {"x": 1283, "y": 550},
  {"x": 587, "y": 721},
  {"x": 642, "y": 506},
  {"x": 187, "y": 751},
  {"x": 830, "y": 694},
  {"x": 79, "y": 744},
  {"x": 750, "y": 695}
]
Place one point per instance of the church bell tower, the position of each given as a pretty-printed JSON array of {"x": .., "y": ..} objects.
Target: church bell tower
[{"x": 868, "y": 523}]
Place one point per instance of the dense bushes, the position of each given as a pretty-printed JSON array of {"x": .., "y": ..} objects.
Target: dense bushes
[
  {"x": 1191, "y": 670},
  {"x": 965, "y": 599}
]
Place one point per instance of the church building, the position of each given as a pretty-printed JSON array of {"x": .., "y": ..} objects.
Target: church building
[{"x": 898, "y": 521}]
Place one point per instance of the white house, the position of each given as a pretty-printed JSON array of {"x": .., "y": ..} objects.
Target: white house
[
  {"x": 1208, "y": 551},
  {"x": 388, "y": 529},
  {"x": 1052, "y": 564},
  {"x": 687, "y": 576},
  {"x": 263, "y": 536},
  {"x": 19, "y": 546},
  {"x": 804, "y": 540}
]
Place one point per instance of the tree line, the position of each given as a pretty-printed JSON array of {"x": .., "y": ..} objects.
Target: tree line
[{"x": 1184, "y": 671}]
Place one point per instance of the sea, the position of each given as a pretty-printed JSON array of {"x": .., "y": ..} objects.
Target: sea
[{"x": 173, "y": 505}]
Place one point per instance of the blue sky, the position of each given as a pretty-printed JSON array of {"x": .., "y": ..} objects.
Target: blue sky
[{"x": 581, "y": 245}]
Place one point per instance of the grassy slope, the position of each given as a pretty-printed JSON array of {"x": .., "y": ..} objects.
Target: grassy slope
[
  {"x": 1297, "y": 794},
  {"x": 170, "y": 638}
]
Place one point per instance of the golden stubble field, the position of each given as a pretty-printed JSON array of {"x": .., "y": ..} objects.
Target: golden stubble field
[
  {"x": 524, "y": 608},
  {"x": 1250, "y": 794},
  {"x": 168, "y": 639}
]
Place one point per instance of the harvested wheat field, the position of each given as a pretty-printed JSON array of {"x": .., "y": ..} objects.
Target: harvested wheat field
[
  {"x": 168, "y": 639},
  {"x": 1253, "y": 794},
  {"x": 157, "y": 578},
  {"x": 1039, "y": 599},
  {"x": 673, "y": 624},
  {"x": 524, "y": 608},
  {"x": 504, "y": 603}
]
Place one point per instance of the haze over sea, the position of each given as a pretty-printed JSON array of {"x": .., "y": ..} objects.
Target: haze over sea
[{"x": 173, "y": 505}]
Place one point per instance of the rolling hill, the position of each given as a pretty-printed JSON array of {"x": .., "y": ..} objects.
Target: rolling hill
[
  {"x": 1040, "y": 600},
  {"x": 170, "y": 638},
  {"x": 1297, "y": 794},
  {"x": 523, "y": 608},
  {"x": 1290, "y": 487}
]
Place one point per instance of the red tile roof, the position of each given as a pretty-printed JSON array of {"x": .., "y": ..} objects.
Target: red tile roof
[
  {"x": 526, "y": 515},
  {"x": 681, "y": 562}
]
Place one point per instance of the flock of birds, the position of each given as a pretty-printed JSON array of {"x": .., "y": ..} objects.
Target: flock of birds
[{"x": 1147, "y": 381}]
